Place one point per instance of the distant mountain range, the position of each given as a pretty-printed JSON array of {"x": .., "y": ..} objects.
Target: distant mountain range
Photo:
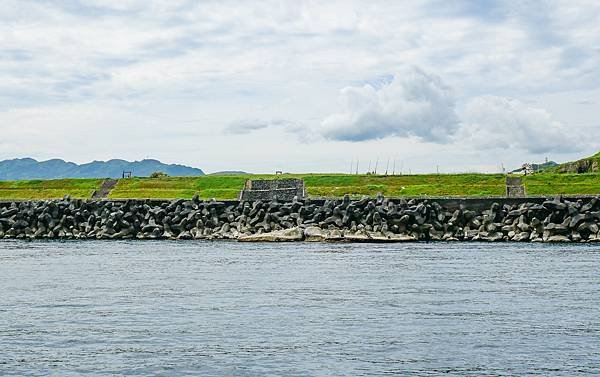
[
  {"x": 28, "y": 168},
  {"x": 230, "y": 172}
]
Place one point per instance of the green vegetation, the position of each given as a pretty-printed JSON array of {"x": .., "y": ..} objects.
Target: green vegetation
[
  {"x": 317, "y": 185},
  {"x": 567, "y": 184},
  {"x": 48, "y": 189},
  {"x": 158, "y": 174},
  {"x": 213, "y": 186},
  {"x": 406, "y": 185},
  {"x": 585, "y": 165}
]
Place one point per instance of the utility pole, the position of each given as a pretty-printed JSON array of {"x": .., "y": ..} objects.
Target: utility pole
[
  {"x": 401, "y": 167},
  {"x": 437, "y": 169},
  {"x": 369, "y": 169},
  {"x": 387, "y": 166},
  {"x": 376, "y": 163},
  {"x": 357, "y": 161},
  {"x": 394, "y": 168}
]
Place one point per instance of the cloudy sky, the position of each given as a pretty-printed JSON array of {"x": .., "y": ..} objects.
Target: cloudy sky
[{"x": 301, "y": 86}]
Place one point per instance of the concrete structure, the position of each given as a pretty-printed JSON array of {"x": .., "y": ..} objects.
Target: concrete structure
[
  {"x": 282, "y": 189},
  {"x": 515, "y": 187}
]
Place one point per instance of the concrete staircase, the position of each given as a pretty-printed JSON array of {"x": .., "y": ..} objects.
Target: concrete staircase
[{"x": 105, "y": 189}]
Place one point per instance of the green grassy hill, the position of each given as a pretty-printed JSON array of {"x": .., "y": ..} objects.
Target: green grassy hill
[
  {"x": 585, "y": 165},
  {"x": 317, "y": 185}
]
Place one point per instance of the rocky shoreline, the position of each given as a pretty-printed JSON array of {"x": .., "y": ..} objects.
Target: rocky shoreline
[{"x": 342, "y": 220}]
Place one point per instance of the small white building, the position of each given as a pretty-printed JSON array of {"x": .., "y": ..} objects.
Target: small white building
[{"x": 527, "y": 168}]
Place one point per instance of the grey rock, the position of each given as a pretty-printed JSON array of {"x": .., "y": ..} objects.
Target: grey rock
[
  {"x": 556, "y": 239},
  {"x": 294, "y": 234}
]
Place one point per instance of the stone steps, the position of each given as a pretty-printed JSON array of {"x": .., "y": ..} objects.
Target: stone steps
[{"x": 105, "y": 189}]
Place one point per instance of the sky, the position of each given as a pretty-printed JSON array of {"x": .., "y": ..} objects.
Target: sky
[{"x": 301, "y": 86}]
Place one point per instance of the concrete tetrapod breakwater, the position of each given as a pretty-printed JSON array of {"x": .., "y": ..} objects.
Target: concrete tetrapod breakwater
[{"x": 366, "y": 220}]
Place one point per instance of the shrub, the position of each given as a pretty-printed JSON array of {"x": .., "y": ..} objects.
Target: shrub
[{"x": 158, "y": 174}]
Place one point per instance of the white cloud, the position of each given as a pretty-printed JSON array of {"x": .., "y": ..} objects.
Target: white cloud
[
  {"x": 196, "y": 65},
  {"x": 492, "y": 122},
  {"x": 417, "y": 104},
  {"x": 414, "y": 103},
  {"x": 244, "y": 126},
  {"x": 301, "y": 132}
]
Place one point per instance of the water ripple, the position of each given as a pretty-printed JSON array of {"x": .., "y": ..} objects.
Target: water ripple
[{"x": 225, "y": 308}]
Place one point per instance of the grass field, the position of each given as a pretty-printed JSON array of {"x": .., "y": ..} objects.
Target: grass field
[
  {"x": 48, "y": 189},
  {"x": 317, "y": 185},
  {"x": 567, "y": 184},
  {"x": 228, "y": 187}
]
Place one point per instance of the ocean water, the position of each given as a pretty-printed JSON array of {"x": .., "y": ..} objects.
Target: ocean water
[{"x": 298, "y": 309}]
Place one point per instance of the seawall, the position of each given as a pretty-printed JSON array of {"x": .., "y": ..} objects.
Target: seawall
[{"x": 539, "y": 219}]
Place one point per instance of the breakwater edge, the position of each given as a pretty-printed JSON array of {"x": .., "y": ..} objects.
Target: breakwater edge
[{"x": 366, "y": 220}]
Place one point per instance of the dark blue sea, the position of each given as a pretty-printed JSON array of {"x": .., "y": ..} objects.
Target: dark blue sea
[{"x": 298, "y": 309}]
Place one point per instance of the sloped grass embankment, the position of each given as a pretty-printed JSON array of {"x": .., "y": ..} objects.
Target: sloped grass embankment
[{"x": 317, "y": 185}]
